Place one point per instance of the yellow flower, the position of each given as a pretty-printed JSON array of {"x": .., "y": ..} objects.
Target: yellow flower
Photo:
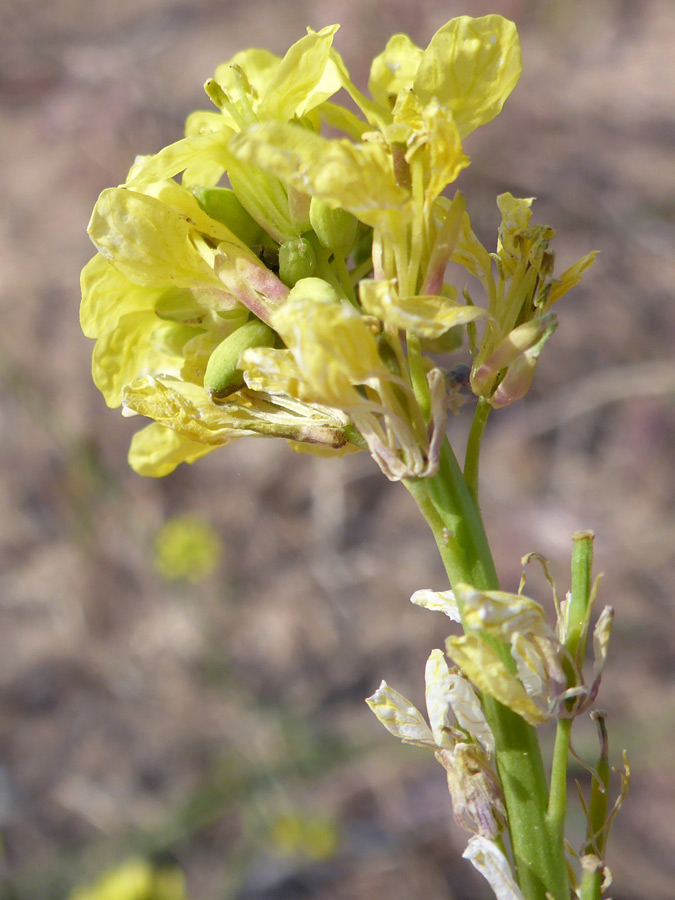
[
  {"x": 186, "y": 547},
  {"x": 188, "y": 275}
]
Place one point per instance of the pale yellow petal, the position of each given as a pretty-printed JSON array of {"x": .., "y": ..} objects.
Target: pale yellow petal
[
  {"x": 140, "y": 344},
  {"x": 305, "y": 78},
  {"x": 488, "y": 858},
  {"x": 471, "y": 66},
  {"x": 107, "y": 296},
  {"x": 438, "y": 601},
  {"x": 400, "y": 717},
  {"x": 394, "y": 70},
  {"x": 500, "y": 613},
  {"x": 148, "y": 241},
  {"x": 357, "y": 177},
  {"x": 437, "y": 678},
  {"x": 468, "y": 711},
  {"x": 155, "y": 451},
  {"x": 429, "y": 316},
  {"x": 485, "y": 668}
]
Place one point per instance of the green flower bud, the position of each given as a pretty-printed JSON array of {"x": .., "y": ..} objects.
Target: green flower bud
[
  {"x": 335, "y": 228},
  {"x": 223, "y": 205},
  {"x": 222, "y": 376},
  {"x": 315, "y": 288},
  {"x": 297, "y": 260}
]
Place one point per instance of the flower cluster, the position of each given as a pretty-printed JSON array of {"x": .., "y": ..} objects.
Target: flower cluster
[{"x": 259, "y": 278}]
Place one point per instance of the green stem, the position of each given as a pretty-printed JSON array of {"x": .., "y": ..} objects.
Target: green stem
[
  {"x": 449, "y": 507},
  {"x": 473, "y": 446},
  {"x": 557, "y": 802},
  {"x": 340, "y": 267},
  {"x": 575, "y": 643},
  {"x": 418, "y": 376},
  {"x": 580, "y": 599}
]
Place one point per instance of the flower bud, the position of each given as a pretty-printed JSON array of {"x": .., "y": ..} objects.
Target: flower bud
[
  {"x": 223, "y": 205},
  {"x": 315, "y": 289},
  {"x": 335, "y": 228},
  {"x": 296, "y": 260},
  {"x": 223, "y": 376}
]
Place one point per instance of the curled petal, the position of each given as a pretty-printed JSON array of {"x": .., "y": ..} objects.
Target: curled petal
[
  {"x": 427, "y": 316},
  {"x": 500, "y": 613},
  {"x": 305, "y": 78},
  {"x": 488, "y": 858},
  {"x": 468, "y": 711},
  {"x": 155, "y": 451},
  {"x": 437, "y": 677},
  {"x": 149, "y": 242},
  {"x": 482, "y": 664},
  {"x": 394, "y": 70},
  {"x": 438, "y": 601}
]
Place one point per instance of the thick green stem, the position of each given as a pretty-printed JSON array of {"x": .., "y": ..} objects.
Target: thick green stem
[{"x": 449, "y": 507}]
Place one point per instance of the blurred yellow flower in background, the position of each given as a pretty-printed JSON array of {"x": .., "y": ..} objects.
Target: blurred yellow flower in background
[{"x": 187, "y": 547}]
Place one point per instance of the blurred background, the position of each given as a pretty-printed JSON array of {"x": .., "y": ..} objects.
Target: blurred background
[{"x": 183, "y": 662}]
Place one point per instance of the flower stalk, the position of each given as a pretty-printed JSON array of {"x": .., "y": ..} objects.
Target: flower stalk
[{"x": 453, "y": 516}]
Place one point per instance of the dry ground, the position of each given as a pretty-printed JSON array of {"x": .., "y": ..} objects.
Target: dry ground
[{"x": 197, "y": 720}]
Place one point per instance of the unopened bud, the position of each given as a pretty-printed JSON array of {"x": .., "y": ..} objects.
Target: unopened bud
[
  {"x": 335, "y": 228},
  {"x": 223, "y": 205},
  {"x": 223, "y": 376},
  {"x": 296, "y": 260},
  {"x": 315, "y": 288}
]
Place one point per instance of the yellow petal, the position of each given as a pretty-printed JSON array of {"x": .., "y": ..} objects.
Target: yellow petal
[
  {"x": 148, "y": 241},
  {"x": 271, "y": 371},
  {"x": 155, "y": 451},
  {"x": 438, "y": 601},
  {"x": 259, "y": 66},
  {"x": 356, "y": 177},
  {"x": 427, "y": 316},
  {"x": 400, "y": 717},
  {"x": 436, "y": 139},
  {"x": 394, "y": 70},
  {"x": 438, "y": 680},
  {"x": 107, "y": 296},
  {"x": 207, "y": 150},
  {"x": 139, "y": 344},
  {"x": 571, "y": 277},
  {"x": 333, "y": 347},
  {"x": 471, "y": 66},
  {"x": 500, "y": 613},
  {"x": 305, "y": 78},
  {"x": 485, "y": 668}
]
